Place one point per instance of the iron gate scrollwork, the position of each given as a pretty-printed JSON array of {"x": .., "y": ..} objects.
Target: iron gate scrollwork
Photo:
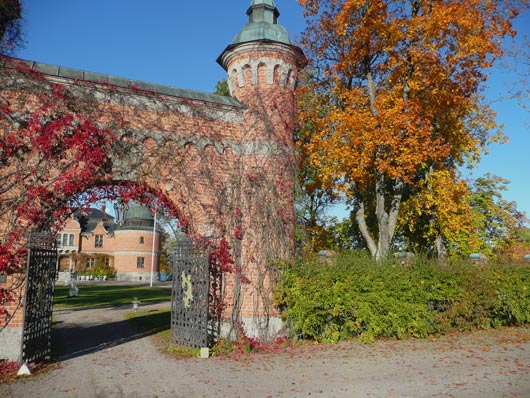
[
  {"x": 195, "y": 315},
  {"x": 40, "y": 283}
]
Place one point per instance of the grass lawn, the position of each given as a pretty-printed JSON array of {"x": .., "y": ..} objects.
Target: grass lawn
[{"x": 109, "y": 295}]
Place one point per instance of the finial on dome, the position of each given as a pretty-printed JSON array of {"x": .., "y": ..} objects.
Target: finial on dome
[{"x": 262, "y": 24}]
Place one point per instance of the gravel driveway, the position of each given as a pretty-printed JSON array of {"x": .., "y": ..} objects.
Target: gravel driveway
[{"x": 99, "y": 355}]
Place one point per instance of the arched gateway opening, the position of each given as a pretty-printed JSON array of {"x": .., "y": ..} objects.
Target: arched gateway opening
[
  {"x": 226, "y": 165},
  {"x": 121, "y": 238}
]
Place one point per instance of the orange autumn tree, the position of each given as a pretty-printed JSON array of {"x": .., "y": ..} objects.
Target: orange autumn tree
[{"x": 396, "y": 89}]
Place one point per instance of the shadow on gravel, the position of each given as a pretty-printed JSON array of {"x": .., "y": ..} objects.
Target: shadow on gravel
[{"x": 72, "y": 341}]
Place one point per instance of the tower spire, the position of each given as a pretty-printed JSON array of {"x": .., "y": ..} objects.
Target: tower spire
[
  {"x": 262, "y": 24},
  {"x": 263, "y": 11}
]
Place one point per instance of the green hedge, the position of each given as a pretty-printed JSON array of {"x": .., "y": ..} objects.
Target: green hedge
[
  {"x": 100, "y": 270},
  {"x": 357, "y": 297}
]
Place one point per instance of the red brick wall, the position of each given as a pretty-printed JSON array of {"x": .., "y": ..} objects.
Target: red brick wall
[
  {"x": 226, "y": 167},
  {"x": 15, "y": 284}
]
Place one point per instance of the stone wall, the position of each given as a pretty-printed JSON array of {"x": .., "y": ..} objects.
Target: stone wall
[
  {"x": 11, "y": 337},
  {"x": 11, "y": 343}
]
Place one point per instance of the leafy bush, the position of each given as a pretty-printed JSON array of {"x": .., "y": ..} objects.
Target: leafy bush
[
  {"x": 357, "y": 297},
  {"x": 100, "y": 270}
]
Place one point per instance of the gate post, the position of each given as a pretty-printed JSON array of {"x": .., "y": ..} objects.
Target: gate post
[
  {"x": 38, "y": 298},
  {"x": 27, "y": 337}
]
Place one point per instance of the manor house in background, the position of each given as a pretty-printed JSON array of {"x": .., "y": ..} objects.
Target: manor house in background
[{"x": 95, "y": 238}]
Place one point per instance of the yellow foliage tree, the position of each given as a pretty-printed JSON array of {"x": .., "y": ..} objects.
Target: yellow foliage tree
[
  {"x": 396, "y": 96},
  {"x": 439, "y": 217}
]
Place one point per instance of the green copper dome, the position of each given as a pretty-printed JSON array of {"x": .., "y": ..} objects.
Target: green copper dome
[
  {"x": 262, "y": 24},
  {"x": 138, "y": 212}
]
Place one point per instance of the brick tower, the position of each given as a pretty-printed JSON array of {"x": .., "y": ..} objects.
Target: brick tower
[{"x": 262, "y": 66}]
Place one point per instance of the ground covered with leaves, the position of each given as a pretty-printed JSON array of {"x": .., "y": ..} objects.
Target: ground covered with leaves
[{"x": 8, "y": 371}]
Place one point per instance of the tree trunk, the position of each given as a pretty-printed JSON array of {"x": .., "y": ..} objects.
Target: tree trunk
[
  {"x": 440, "y": 248},
  {"x": 386, "y": 220},
  {"x": 361, "y": 222}
]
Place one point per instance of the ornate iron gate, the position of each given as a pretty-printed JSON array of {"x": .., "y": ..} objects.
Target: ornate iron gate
[
  {"x": 195, "y": 316},
  {"x": 40, "y": 283}
]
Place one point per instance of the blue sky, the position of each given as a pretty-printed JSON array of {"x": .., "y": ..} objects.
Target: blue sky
[{"x": 176, "y": 43}]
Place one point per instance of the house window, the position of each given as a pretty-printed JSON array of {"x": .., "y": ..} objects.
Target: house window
[
  {"x": 65, "y": 239},
  {"x": 89, "y": 262},
  {"x": 106, "y": 261},
  {"x": 140, "y": 262},
  {"x": 71, "y": 241},
  {"x": 59, "y": 237},
  {"x": 99, "y": 241},
  {"x": 141, "y": 240}
]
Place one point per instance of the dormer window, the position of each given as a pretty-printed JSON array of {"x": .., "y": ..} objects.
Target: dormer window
[{"x": 99, "y": 241}]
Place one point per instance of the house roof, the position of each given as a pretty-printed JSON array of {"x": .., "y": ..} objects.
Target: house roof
[
  {"x": 89, "y": 219},
  {"x": 93, "y": 213},
  {"x": 137, "y": 217},
  {"x": 139, "y": 212},
  {"x": 91, "y": 225}
]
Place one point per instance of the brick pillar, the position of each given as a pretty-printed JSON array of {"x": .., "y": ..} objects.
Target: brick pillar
[{"x": 262, "y": 75}]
